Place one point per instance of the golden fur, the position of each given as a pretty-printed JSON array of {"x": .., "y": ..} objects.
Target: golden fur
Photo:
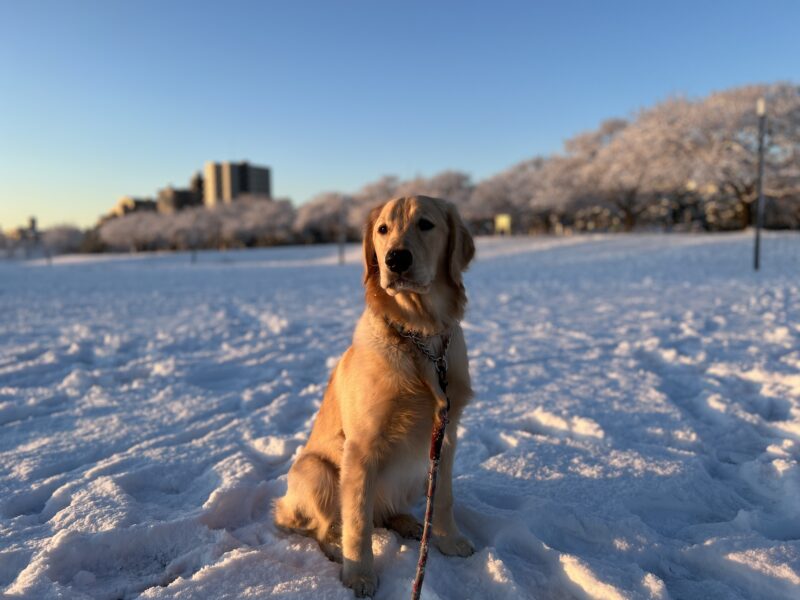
[{"x": 366, "y": 458}]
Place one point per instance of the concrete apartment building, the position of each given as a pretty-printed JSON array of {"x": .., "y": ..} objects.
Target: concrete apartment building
[
  {"x": 129, "y": 204},
  {"x": 224, "y": 182},
  {"x": 171, "y": 200}
]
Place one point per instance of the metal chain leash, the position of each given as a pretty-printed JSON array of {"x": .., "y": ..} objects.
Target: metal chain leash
[
  {"x": 439, "y": 361},
  {"x": 437, "y": 438}
]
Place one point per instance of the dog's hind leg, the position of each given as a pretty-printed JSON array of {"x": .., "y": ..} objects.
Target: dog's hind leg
[
  {"x": 311, "y": 504},
  {"x": 404, "y": 524}
]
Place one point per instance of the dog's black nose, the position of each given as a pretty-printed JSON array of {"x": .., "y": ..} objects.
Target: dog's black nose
[{"x": 399, "y": 260}]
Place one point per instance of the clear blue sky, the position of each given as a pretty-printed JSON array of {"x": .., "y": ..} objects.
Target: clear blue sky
[{"x": 99, "y": 99}]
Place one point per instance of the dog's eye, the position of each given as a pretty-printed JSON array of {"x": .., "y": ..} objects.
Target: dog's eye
[
  {"x": 383, "y": 229},
  {"x": 425, "y": 225}
]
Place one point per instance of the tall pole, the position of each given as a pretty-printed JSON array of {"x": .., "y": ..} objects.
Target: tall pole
[
  {"x": 762, "y": 119},
  {"x": 342, "y": 230}
]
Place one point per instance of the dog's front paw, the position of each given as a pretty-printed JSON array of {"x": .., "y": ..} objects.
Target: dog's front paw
[
  {"x": 454, "y": 545},
  {"x": 363, "y": 583}
]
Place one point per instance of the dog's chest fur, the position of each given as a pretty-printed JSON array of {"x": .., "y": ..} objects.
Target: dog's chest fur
[
  {"x": 401, "y": 481},
  {"x": 406, "y": 430}
]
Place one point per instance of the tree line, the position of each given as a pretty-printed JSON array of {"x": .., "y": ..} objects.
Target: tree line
[{"x": 682, "y": 164}]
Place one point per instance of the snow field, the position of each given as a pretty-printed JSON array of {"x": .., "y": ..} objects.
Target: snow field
[{"x": 635, "y": 431}]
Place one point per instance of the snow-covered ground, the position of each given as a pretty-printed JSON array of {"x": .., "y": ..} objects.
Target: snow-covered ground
[{"x": 635, "y": 431}]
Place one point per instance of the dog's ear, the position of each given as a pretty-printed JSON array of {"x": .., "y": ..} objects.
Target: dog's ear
[
  {"x": 371, "y": 268},
  {"x": 460, "y": 246}
]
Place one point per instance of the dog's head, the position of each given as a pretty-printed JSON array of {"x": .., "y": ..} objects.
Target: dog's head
[{"x": 411, "y": 243}]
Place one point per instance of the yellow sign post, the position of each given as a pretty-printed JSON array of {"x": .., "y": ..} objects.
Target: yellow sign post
[{"x": 502, "y": 224}]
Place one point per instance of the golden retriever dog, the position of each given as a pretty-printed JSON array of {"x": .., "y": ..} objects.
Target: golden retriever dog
[{"x": 366, "y": 459}]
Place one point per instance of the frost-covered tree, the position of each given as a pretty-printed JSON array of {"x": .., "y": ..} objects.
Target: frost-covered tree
[
  {"x": 454, "y": 186},
  {"x": 194, "y": 228},
  {"x": 378, "y": 191},
  {"x": 645, "y": 162},
  {"x": 366, "y": 198},
  {"x": 254, "y": 221},
  {"x": 561, "y": 190},
  {"x": 248, "y": 221},
  {"x": 513, "y": 191},
  {"x": 62, "y": 239},
  {"x": 725, "y": 130},
  {"x": 321, "y": 218},
  {"x": 135, "y": 232}
]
